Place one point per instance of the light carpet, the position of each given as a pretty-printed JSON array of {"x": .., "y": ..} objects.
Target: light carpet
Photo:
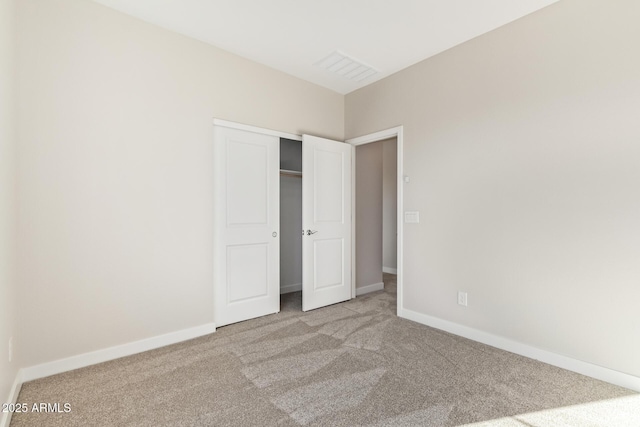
[{"x": 350, "y": 364}]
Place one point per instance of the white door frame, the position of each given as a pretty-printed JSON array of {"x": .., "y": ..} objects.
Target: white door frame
[
  {"x": 256, "y": 129},
  {"x": 396, "y": 132}
]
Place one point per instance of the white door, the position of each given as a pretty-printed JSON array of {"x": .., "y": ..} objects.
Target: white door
[
  {"x": 246, "y": 224},
  {"x": 326, "y": 222}
]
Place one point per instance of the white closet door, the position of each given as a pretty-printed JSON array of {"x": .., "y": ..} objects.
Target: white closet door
[
  {"x": 326, "y": 220},
  {"x": 246, "y": 225}
]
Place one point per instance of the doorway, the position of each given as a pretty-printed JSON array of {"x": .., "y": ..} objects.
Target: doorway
[{"x": 375, "y": 237}]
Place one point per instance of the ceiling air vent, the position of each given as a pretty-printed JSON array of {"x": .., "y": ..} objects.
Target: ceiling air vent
[{"x": 347, "y": 67}]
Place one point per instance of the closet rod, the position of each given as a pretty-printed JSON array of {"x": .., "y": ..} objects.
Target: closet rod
[{"x": 295, "y": 174}]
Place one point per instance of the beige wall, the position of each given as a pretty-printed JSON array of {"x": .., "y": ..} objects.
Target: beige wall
[
  {"x": 115, "y": 171},
  {"x": 523, "y": 151},
  {"x": 8, "y": 144},
  {"x": 368, "y": 214},
  {"x": 389, "y": 203}
]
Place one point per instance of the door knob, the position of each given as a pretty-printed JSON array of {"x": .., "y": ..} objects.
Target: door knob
[
  {"x": 310, "y": 232},
  {"x": 274, "y": 234}
]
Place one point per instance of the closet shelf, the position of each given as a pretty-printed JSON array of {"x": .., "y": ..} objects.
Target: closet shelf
[{"x": 286, "y": 172}]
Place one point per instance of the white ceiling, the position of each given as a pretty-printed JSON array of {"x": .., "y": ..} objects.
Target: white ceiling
[{"x": 293, "y": 35}]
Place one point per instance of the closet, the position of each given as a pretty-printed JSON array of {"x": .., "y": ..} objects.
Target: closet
[
  {"x": 290, "y": 215},
  {"x": 261, "y": 201}
]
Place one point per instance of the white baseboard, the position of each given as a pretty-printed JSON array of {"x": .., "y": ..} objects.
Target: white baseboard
[
  {"x": 390, "y": 270},
  {"x": 285, "y": 289},
  {"x": 369, "y": 288},
  {"x": 5, "y": 417},
  {"x": 104, "y": 355},
  {"x": 564, "y": 362}
]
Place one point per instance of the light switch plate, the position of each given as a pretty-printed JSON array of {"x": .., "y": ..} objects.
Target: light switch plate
[
  {"x": 462, "y": 298},
  {"x": 412, "y": 217}
]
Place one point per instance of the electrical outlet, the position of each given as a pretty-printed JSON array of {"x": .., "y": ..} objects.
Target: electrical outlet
[
  {"x": 462, "y": 298},
  {"x": 10, "y": 349}
]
